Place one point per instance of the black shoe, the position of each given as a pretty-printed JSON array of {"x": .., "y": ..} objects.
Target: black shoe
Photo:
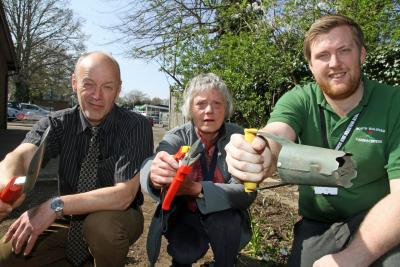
[{"x": 177, "y": 264}]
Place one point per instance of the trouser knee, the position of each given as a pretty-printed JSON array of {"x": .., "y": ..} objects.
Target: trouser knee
[
  {"x": 110, "y": 233},
  {"x": 6, "y": 254},
  {"x": 49, "y": 248},
  {"x": 187, "y": 240},
  {"x": 101, "y": 232}
]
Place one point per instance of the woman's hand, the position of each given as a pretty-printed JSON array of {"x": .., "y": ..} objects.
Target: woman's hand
[
  {"x": 190, "y": 188},
  {"x": 163, "y": 169}
]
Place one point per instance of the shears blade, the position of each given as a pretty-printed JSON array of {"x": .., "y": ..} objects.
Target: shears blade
[
  {"x": 194, "y": 153},
  {"x": 36, "y": 163}
]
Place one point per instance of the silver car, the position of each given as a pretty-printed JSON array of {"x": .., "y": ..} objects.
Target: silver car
[
  {"x": 14, "y": 114},
  {"x": 34, "y": 112}
]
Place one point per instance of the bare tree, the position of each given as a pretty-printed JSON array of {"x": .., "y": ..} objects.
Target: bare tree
[
  {"x": 48, "y": 38},
  {"x": 151, "y": 27},
  {"x": 135, "y": 97},
  {"x": 155, "y": 29},
  {"x": 156, "y": 101},
  {"x": 162, "y": 30}
]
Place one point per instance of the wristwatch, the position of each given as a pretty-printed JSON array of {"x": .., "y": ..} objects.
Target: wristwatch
[{"x": 57, "y": 205}]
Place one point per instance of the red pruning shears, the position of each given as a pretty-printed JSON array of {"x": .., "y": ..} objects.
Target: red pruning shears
[
  {"x": 13, "y": 189},
  {"x": 186, "y": 156}
]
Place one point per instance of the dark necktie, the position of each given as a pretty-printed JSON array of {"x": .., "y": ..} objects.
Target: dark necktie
[{"x": 77, "y": 251}]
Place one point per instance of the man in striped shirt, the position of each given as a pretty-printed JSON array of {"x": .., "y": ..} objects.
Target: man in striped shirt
[{"x": 110, "y": 212}]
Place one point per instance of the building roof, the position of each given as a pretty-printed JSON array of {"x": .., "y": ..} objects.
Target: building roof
[{"x": 6, "y": 43}]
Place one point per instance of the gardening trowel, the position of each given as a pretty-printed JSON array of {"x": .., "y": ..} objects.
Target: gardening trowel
[
  {"x": 310, "y": 165},
  {"x": 24, "y": 184}
]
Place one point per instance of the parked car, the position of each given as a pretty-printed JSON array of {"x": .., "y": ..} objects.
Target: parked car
[
  {"x": 14, "y": 105},
  {"x": 14, "y": 114},
  {"x": 34, "y": 112}
]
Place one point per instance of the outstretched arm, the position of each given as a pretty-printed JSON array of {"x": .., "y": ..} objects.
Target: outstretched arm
[
  {"x": 14, "y": 164},
  {"x": 378, "y": 233}
]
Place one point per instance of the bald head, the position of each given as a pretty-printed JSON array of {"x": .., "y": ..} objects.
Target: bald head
[
  {"x": 100, "y": 57},
  {"x": 97, "y": 83}
]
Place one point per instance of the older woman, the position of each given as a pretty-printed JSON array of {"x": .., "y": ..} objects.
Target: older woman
[{"x": 210, "y": 209}]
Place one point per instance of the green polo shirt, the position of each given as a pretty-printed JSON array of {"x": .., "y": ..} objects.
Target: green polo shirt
[{"x": 374, "y": 143}]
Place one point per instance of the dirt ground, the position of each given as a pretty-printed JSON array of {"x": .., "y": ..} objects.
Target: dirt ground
[{"x": 273, "y": 214}]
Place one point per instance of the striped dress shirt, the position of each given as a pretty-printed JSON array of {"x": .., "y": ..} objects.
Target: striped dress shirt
[{"x": 125, "y": 137}]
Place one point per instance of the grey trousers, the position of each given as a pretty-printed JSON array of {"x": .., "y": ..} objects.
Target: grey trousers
[
  {"x": 313, "y": 239},
  {"x": 108, "y": 234}
]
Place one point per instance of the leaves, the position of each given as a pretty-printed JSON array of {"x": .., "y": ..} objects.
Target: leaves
[
  {"x": 255, "y": 46},
  {"x": 383, "y": 64}
]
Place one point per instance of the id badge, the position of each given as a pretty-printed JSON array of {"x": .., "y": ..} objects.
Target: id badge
[{"x": 322, "y": 190}]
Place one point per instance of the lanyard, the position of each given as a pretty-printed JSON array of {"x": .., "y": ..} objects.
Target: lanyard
[
  {"x": 345, "y": 134},
  {"x": 209, "y": 172}
]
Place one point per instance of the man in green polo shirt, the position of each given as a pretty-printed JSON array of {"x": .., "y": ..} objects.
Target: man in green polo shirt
[{"x": 356, "y": 226}]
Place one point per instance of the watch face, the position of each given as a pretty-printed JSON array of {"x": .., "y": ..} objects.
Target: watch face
[{"x": 57, "y": 204}]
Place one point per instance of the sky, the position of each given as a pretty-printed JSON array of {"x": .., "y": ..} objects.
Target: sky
[{"x": 135, "y": 74}]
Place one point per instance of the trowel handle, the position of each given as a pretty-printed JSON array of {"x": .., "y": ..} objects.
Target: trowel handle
[
  {"x": 249, "y": 135},
  {"x": 11, "y": 192}
]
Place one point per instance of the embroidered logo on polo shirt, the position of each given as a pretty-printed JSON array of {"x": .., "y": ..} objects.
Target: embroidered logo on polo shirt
[{"x": 370, "y": 135}]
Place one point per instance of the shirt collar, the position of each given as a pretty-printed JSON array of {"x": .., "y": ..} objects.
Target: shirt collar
[{"x": 106, "y": 125}]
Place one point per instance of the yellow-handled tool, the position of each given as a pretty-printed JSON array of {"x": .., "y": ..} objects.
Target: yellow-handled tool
[{"x": 249, "y": 135}]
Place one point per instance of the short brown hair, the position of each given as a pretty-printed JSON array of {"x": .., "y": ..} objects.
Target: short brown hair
[{"x": 327, "y": 23}]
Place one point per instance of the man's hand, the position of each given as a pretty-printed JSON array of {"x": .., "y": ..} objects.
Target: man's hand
[
  {"x": 5, "y": 209},
  {"x": 26, "y": 229},
  {"x": 163, "y": 169},
  {"x": 15, "y": 163},
  {"x": 343, "y": 258},
  {"x": 330, "y": 260},
  {"x": 248, "y": 161}
]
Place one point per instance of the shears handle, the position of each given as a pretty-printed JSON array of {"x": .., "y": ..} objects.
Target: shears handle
[
  {"x": 249, "y": 135},
  {"x": 174, "y": 186},
  {"x": 11, "y": 192},
  {"x": 178, "y": 179}
]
